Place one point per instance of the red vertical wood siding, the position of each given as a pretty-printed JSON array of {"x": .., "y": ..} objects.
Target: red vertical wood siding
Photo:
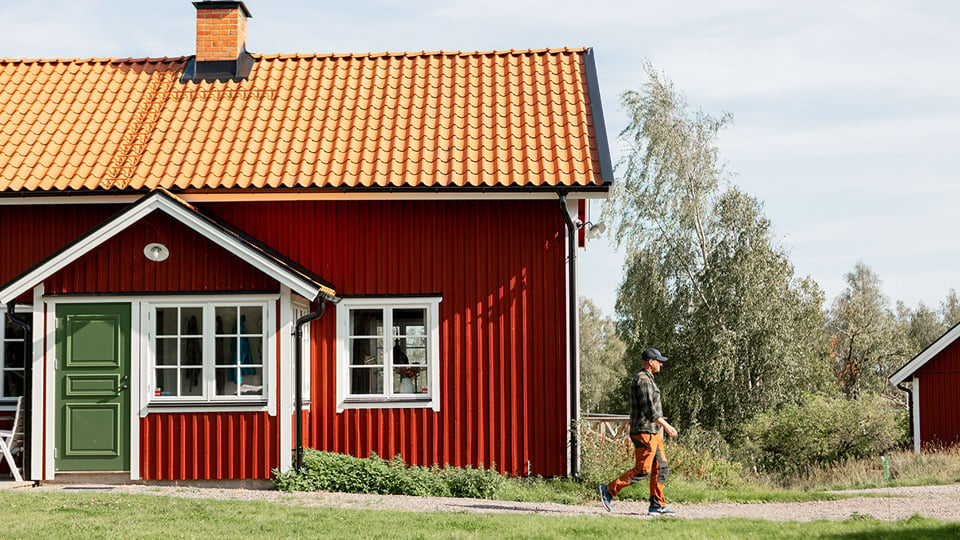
[
  {"x": 499, "y": 266},
  {"x": 940, "y": 398},
  {"x": 216, "y": 445}
]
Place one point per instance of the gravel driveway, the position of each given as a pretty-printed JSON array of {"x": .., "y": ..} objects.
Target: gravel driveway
[{"x": 941, "y": 502}]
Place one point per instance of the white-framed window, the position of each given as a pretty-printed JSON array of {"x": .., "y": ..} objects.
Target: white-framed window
[
  {"x": 388, "y": 352},
  {"x": 12, "y": 358},
  {"x": 214, "y": 351}
]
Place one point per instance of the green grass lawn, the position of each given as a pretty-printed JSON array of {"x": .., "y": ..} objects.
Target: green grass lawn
[{"x": 33, "y": 515}]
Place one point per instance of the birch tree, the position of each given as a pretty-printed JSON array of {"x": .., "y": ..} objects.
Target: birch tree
[{"x": 705, "y": 280}]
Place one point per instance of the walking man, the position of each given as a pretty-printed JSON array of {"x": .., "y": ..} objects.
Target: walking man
[{"x": 646, "y": 421}]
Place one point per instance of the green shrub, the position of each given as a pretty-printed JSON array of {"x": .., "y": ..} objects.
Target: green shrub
[
  {"x": 701, "y": 455},
  {"x": 697, "y": 455},
  {"x": 327, "y": 471},
  {"x": 820, "y": 431}
]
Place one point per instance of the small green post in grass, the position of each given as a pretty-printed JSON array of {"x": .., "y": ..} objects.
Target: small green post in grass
[{"x": 886, "y": 467}]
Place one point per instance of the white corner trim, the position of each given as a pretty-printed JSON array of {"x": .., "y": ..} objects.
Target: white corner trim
[
  {"x": 925, "y": 356},
  {"x": 50, "y": 361},
  {"x": 36, "y": 390},
  {"x": 284, "y": 381},
  {"x": 915, "y": 395},
  {"x": 133, "y": 389},
  {"x": 271, "y": 367},
  {"x": 145, "y": 310}
]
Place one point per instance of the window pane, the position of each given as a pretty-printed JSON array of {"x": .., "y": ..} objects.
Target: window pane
[
  {"x": 366, "y": 381},
  {"x": 226, "y": 351},
  {"x": 191, "y": 353},
  {"x": 409, "y": 322},
  {"x": 14, "y": 331},
  {"x": 417, "y": 356},
  {"x": 410, "y": 380},
  {"x": 366, "y": 352},
  {"x": 226, "y": 320},
  {"x": 191, "y": 382},
  {"x": 251, "y": 381},
  {"x": 239, "y": 381},
  {"x": 167, "y": 321},
  {"x": 167, "y": 382},
  {"x": 366, "y": 322},
  {"x": 166, "y": 351},
  {"x": 13, "y": 354},
  {"x": 251, "y": 320},
  {"x": 190, "y": 321},
  {"x": 251, "y": 351},
  {"x": 13, "y": 383}
]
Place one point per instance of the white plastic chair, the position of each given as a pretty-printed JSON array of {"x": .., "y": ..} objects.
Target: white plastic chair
[{"x": 11, "y": 440}]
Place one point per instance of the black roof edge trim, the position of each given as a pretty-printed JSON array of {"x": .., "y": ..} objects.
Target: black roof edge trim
[
  {"x": 360, "y": 189},
  {"x": 395, "y": 295},
  {"x": 223, "y": 4},
  {"x": 596, "y": 112}
]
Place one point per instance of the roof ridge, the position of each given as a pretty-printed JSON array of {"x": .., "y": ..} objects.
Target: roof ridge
[
  {"x": 299, "y": 56},
  {"x": 407, "y": 54},
  {"x": 93, "y": 60}
]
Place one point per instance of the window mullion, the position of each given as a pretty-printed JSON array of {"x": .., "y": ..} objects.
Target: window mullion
[
  {"x": 209, "y": 331},
  {"x": 387, "y": 351}
]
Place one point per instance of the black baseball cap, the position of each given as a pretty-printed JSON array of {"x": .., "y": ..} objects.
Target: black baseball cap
[{"x": 653, "y": 354}]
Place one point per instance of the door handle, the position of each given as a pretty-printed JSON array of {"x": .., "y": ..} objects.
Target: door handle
[{"x": 124, "y": 387}]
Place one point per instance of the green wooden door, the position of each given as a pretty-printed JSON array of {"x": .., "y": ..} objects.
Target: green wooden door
[{"x": 93, "y": 379}]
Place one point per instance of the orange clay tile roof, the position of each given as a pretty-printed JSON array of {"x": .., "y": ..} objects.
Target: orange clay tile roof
[{"x": 430, "y": 119}]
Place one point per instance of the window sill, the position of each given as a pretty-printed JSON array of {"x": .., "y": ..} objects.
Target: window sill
[
  {"x": 206, "y": 406},
  {"x": 389, "y": 403}
]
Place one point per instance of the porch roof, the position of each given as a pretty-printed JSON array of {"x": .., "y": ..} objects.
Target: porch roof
[{"x": 261, "y": 256}]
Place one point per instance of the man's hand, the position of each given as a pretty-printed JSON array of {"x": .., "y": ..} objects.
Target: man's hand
[{"x": 670, "y": 430}]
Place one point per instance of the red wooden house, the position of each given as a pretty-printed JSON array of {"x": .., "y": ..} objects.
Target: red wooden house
[
  {"x": 934, "y": 392},
  {"x": 174, "y": 231}
]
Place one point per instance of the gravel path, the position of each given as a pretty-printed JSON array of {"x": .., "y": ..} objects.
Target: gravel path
[{"x": 941, "y": 502}]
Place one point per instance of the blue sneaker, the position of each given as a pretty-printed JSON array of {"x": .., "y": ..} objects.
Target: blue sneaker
[
  {"x": 661, "y": 511},
  {"x": 605, "y": 497}
]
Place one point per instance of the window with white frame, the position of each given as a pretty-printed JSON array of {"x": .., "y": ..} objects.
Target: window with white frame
[
  {"x": 12, "y": 359},
  {"x": 215, "y": 351},
  {"x": 388, "y": 352}
]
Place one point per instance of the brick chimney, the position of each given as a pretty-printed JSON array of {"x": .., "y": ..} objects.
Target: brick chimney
[{"x": 221, "y": 41}]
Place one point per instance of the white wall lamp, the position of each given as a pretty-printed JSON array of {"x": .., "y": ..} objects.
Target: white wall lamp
[
  {"x": 156, "y": 252},
  {"x": 594, "y": 230}
]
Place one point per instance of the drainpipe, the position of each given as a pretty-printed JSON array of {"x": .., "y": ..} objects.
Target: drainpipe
[
  {"x": 27, "y": 380},
  {"x": 298, "y": 379},
  {"x": 572, "y": 345},
  {"x": 909, "y": 407}
]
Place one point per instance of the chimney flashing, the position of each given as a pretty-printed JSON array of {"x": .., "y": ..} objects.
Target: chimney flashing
[{"x": 223, "y": 71}]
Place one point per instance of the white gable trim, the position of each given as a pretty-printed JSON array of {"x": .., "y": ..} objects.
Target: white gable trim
[
  {"x": 181, "y": 211},
  {"x": 915, "y": 396},
  {"x": 918, "y": 361}
]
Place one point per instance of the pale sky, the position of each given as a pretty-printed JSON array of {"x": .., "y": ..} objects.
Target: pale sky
[{"x": 846, "y": 113}]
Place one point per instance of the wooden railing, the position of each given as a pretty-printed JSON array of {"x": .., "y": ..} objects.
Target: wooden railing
[{"x": 612, "y": 427}]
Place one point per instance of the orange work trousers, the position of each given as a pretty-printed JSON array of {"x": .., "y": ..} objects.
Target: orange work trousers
[{"x": 650, "y": 461}]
